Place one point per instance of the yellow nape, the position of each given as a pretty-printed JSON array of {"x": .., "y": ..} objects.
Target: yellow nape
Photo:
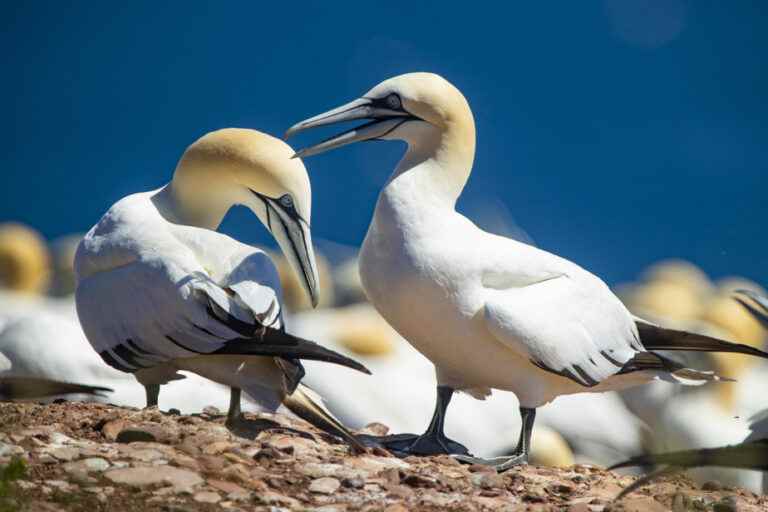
[
  {"x": 294, "y": 295},
  {"x": 549, "y": 448},
  {"x": 362, "y": 331},
  {"x": 24, "y": 259}
]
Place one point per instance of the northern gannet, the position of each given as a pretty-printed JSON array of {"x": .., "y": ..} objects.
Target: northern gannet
[
  {"x": 488, "y": 311},
  {"x": 24, "y": 388},
  {"x": 159, "y": 290},
  {"x": 45, "y": 344},
  {"x": 751, "y": 454}
]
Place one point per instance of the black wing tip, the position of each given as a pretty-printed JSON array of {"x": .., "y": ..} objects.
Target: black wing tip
[{"x": 627, "y": 464}]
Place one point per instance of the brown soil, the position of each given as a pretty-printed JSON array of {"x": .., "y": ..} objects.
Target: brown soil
[{"x": 95, "y": 457}]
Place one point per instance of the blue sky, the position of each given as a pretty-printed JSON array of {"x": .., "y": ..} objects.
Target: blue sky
[{"x": 615, "y": 133}]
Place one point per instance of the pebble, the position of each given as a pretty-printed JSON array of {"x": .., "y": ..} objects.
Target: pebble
[
  {"x": 9, "y": 450},
  {"x": 179, "y": 479},
  {"x": 712, "y": 485},
  {"x": 65, "y": 453},
  {"x": 112, "y": 428},
  {"x": 325, "y": 485},
  {"x": 90, "y": 465},
  {"x": 134, "y": 435},
  {"x": 207, "y": 497},
  {"x": 487, "y": 480},
  {"x": 726, "y": 504}
]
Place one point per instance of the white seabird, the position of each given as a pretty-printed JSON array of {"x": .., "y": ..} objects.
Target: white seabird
[
  {"x": 48, "y": 345},
  {"x": 488, "y": 311},
  {"x": 159, "y": 290},
  {"x": 24, "y": 388},
  {"x": 751, "y": 454}
]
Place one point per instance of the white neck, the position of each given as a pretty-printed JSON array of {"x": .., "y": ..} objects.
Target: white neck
[{"x": 429, "y": 179}]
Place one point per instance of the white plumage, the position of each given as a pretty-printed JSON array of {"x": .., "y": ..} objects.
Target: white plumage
[
  {"x": 160, "y": 291},
  {"x": 488, "y": 311}
]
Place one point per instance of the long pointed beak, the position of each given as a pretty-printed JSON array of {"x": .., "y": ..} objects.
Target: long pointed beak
[
  {"x": 383, "y": 121},
  {"x": 295, "y": 240}
]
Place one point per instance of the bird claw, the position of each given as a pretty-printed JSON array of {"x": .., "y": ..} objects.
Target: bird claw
[{"x": 500, "y": 464}]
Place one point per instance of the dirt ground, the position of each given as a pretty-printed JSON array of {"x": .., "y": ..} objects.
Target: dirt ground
[{"x": 93, "y": 457}]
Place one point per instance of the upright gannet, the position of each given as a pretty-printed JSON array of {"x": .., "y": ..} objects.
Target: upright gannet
[
  {"x": 159, "y": 290},
  {"x": 488, "y": 311}
]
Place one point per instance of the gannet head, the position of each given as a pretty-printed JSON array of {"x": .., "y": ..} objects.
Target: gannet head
[
  {"x": 260, "y": 174},
  {"x": 419, "y": 108},
  {"x": 24, "y": 259}
]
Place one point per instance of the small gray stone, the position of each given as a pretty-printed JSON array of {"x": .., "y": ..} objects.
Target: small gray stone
[
  {"x": 179, "y": 479},
  {"x": 325, "y": 485},
  {"x": 207, "y": 497},
  {"x": 65, "y": 453},
  {"x": 90, "y": 465}
]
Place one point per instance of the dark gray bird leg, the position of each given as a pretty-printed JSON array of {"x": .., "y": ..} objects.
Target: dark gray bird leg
[
  {"x": 153, "y": 393},
  {"x": 521, "y": 453},
  {"x": 234, "y": 413},
  {"x": 431, "y": 442}
]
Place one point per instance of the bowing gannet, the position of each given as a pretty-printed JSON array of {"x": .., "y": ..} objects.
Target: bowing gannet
[
  {"x": 488, "y": 311},
  {"x": 159, "y": 290}
]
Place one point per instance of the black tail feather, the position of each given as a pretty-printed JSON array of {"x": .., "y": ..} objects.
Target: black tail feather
[
  {"x": 278, "y": 343},
  {"x": 654, "y": 337},
  {"x": 22, "y": 388}
]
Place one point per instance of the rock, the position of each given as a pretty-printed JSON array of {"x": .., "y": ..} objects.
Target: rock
[
  {"x": 353, "y": 483},
  {"x": 643, "y": 505},
  {"x": 145, "y": 455},
  {"x": 324, "y": 485},
  {"x": 211, "y": 410},
  {"x": 396, "y": 508},
  {"x": 134, "y": 435},
  {"x": 579, "y": 507},
  {"x": 726, "y": 504},
  {"x": 488, "y": 480},
  {"x": 274, "y": 498},
  {"x": 416, "y": 480},
  {"x": 90, "y": 465},
  {"x": 374, "y": 429},
  {"x": 241, "y": 495},
  {"x": 65, "y": 453},
  {"x": 217, "y": 447},
  {"x": 224, "y": 486},
  {"x": 268, "y": 453},
  {"x": 179, "y": 479},
  {"x": 9, "y": 450},
  {"x": 207, "y": 497},
  {"x": 112, "y": 428},
  {"x": 712, "y": 485}
]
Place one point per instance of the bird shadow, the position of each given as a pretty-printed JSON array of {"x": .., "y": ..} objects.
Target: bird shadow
[{"x": 248, "y": 428}]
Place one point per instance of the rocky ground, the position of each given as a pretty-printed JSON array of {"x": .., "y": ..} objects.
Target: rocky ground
[{"x": 94, "y": 457}]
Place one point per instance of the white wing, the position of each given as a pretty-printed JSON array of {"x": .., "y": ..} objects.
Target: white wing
[
  {"x": 557, "y": 315},
  {"x": 152, "y": 311}
]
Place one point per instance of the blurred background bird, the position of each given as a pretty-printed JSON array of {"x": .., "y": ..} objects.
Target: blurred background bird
[{"x": 682, "y": 418}]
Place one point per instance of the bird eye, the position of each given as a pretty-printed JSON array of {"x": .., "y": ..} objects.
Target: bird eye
[
  {"x": 393, "y": 101},
  {"x": 286, "y": 201}
]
